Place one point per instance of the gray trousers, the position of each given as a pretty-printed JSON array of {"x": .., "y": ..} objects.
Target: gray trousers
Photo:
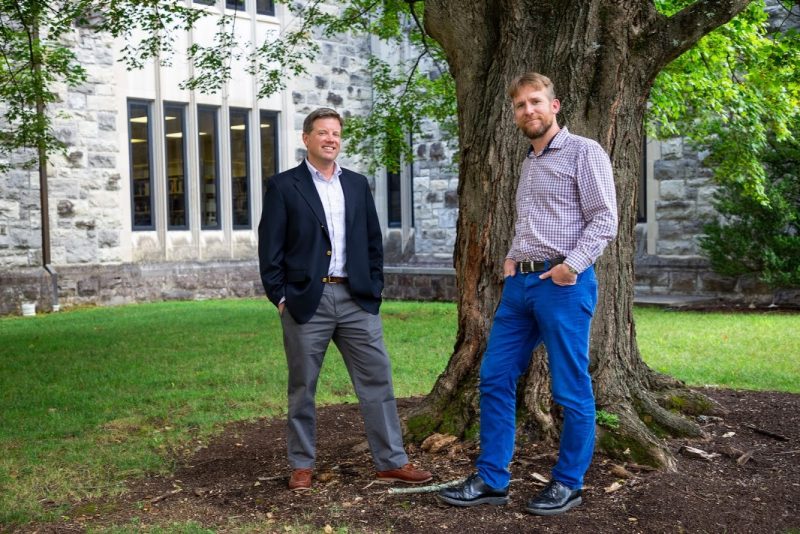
[{"x": 359, "y": 337}]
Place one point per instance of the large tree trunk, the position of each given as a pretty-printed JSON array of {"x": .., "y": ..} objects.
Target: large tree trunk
[{"x": 602, "y": 56}]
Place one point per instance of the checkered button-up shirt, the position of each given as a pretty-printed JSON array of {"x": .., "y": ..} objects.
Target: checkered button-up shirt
[{"x": 566, "y": 203}]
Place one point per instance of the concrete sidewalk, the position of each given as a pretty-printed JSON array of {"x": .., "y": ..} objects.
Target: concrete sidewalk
[{"x": 668, "y": 301}]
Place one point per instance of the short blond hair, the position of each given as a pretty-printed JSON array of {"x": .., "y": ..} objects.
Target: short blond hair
[{"x": 531, "y": 79}]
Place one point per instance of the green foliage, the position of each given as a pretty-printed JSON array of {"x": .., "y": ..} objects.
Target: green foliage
[
  {"x": 33, "y": 61},
  {"x": 410, "y": 90},
  {"x": 37, "y": 59},
  {"x": 607, "y": 419},
  {"x": 761, "y": 238},
  {"x": 739, "y": 84}
]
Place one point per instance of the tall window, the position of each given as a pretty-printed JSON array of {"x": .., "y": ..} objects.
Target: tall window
[
  {"x": 175, "y": 152},
  {"x": 269, "y": 145},
  {"x": 208, "y": 148},
  {"x": 394, "y": 198},
  {"x": 141, "y": 165},
  {"x": 265, "y": 7},
  {"x": 235, "y": 4},
  {"x": 240, "y": 169}
]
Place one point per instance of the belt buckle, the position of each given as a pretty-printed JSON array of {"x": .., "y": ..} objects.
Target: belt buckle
[{"x": 525, "y": 267}]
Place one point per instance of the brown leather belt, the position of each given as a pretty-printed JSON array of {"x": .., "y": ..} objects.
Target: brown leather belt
[
  {"x": 525, "y": 267},
  {"x": 334, "y": 280}
]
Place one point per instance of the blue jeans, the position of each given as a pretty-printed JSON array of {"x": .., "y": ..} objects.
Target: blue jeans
[{"x": 532, "y": 311}]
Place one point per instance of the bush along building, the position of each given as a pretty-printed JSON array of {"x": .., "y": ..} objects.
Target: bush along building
[{"x": 159, "y": 194}]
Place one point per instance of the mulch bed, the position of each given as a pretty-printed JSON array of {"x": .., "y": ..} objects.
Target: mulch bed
[{"x": 240, "y": 479}]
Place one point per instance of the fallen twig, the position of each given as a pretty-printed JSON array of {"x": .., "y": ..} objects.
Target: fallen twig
[
  {"x": 639, "y": 467},
  {"x": 164, "y": 496},
  {"x": 425, "y": 489},
  {"x": 694, "y": 452},
  {"x": 779, "y": 437}
]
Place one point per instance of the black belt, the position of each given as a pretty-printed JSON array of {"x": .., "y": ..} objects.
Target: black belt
[
  {"x": 525, "y": 267},
  {"x": 334, "y": 280}
]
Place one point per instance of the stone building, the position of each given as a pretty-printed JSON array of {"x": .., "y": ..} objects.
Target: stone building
[{"x": 160, "y": 193}]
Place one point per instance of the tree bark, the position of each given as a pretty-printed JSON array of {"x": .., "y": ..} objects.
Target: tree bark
[{"x": 602, "y": 56}]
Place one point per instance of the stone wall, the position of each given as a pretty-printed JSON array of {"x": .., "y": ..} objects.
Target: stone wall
[
  {"x": 340, "y": 80},
  {"x": 435, "y": 186},
  {"x": 110, "y": 285},
  {"x": 685, "y": 192},
  {"x": 85, "y": 222},
  {"x": 420, "y": 283},
  {"x": 20, "y": 217}
]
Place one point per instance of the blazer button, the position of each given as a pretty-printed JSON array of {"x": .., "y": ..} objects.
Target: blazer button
[{"x": 329, "y": 253}]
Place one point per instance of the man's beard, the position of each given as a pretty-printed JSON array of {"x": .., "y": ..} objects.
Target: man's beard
[{"x": 533, "y": 132}]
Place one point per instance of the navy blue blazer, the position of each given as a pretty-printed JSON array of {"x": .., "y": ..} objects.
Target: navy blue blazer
[{"x": 294, "y": 245}]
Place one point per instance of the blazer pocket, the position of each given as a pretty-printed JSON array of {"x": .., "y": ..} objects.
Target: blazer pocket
[{"x": 296, "y": 276}]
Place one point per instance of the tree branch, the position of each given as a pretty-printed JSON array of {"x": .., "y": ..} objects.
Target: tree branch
[
  {"x": 424, "y": 35},
  {"x": 683, "y": 29}
]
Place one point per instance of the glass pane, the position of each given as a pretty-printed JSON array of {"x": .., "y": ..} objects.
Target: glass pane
[
  {"x": 394, "y": 197},
  {"x": 209, "y": 172},
  {"x": 265, "y": 7},
  {"x": 176, "y": 166},
  {"x": 235, "y": 4},
  {"x": 141, "y": 175},
  {"x": 206, "y": 2},
  {"x": 269, "y": 146},
  {"x": 240, "y": 171}
]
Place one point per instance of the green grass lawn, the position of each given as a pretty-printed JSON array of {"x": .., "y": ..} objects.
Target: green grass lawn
[
  {"x": 735, "y": 350},
  {"x": 91, "y": 397}
]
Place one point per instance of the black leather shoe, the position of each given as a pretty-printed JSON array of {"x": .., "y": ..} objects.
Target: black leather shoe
[
  {"x": 473, "y": 491},
  {"x": 554, "y": 499}
]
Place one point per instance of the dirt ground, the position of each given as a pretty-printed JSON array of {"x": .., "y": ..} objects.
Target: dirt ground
[{"x": 239, "y": 480}]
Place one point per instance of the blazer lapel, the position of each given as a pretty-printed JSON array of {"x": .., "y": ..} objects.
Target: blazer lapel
[{"x": 305, "y": 186}]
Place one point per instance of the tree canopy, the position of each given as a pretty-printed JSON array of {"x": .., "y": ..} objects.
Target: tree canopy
[{"x": 738, "y": 84}]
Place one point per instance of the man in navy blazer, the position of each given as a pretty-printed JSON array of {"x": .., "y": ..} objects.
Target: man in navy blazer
[{"x": 320, "y": 254}]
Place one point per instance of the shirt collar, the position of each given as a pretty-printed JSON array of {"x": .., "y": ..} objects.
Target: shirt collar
[
  {"x": 315, "y": 174},
  {"x": 557, "y": 141}
]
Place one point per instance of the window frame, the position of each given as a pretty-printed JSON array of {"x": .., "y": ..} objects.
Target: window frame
[
  {"x": 246, "y": 113},
  {"x": 148, "y": 105},
  {"x": 268, "y": 11},
  {"x": 273, "y": 116},
  {"x": 182, "y": 108},
  {"x": 234, "y": 5},
  {"x": 396, "y": 193},
  {"x": 215, "y": 111}
]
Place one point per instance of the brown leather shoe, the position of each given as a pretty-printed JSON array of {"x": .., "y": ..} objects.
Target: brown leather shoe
[
  {"x": 300, "y": 479},
  {"x": 408, "y": 474}
]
